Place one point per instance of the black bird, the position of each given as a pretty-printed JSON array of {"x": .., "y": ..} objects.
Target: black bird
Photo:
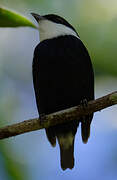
[{"x": 63, "y": 77}]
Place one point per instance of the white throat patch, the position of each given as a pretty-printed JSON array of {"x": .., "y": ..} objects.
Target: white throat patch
[{"x": 49, "y": 30}]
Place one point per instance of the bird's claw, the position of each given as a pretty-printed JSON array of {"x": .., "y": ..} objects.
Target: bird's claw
[
  {"x": 42, "y": 118},
  {"x": 84, "y": 103}
]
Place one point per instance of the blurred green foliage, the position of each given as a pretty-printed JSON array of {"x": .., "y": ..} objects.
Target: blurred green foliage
[
  {"x": 96, "y": 23},
  {"x": 14, "y": 170}
]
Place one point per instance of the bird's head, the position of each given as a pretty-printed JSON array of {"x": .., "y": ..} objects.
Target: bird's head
[{"x": 52, "y": 26}]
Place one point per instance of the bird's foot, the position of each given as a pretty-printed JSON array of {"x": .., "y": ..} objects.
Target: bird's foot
[
  {"x": 42, "y": 118},
  {"x": 84, "y": 103}
]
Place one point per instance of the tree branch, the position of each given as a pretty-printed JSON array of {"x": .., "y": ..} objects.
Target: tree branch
[{"x": 59, "y": 117}]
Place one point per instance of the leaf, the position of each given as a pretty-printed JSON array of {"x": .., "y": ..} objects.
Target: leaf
[{"x": 12, "y": 19}]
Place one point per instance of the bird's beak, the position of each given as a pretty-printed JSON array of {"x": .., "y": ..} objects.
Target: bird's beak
[{"x": 37, "y": 17}]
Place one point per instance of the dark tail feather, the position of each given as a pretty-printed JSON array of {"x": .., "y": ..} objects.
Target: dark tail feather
[
  {"x": 51, "y": 136},
  {"x": 67, "y": 158},
  {"x": 67, "y": 153},
  {"x": 85, "y": 128}
]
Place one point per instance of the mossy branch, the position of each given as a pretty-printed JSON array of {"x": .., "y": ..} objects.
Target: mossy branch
[{"x": 59, "y": 117}]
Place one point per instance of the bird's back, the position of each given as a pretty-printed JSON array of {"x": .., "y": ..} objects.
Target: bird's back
[
  {"x": 63, "y": 77},
  {"x": 64, "y": 74}
]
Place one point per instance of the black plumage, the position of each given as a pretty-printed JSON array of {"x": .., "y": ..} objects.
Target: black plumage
[{"x": 63, "y": 77}]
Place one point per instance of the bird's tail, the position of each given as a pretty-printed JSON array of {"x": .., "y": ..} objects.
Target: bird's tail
[{"x": 66, "y": 144}]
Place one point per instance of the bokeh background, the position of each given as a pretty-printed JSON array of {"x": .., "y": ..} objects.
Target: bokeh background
[{"x": 30, "y": 156}]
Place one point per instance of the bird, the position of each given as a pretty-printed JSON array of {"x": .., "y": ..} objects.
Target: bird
[{"x": 63, "y": 77}]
